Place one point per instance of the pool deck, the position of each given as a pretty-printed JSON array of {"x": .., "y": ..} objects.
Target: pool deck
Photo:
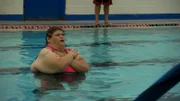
[{"x": 58, "y": 22}]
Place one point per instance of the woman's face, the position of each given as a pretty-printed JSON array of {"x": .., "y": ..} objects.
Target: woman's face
[{"x": 57, "y": 38}]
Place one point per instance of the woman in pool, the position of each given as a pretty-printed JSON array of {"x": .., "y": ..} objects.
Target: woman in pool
[{"x": 55, "y": 58}]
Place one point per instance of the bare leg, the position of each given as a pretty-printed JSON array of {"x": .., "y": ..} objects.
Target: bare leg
[
  {"x": 97, "y": 12},
  {"x": 106, "y": 14}
]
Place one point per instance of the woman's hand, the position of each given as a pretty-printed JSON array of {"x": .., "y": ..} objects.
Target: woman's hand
[{"x": 73, "y": 52}]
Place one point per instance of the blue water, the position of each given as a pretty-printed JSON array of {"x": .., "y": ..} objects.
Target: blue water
[{"x": 123, "y": 63}]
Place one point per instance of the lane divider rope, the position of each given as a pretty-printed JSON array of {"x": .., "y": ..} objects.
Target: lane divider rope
[{"x": 89, "y": 26}]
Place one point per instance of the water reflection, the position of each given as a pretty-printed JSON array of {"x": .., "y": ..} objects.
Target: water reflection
[
  {"x": 57, "y": 81},
  {"x": 101, "y": 51}
]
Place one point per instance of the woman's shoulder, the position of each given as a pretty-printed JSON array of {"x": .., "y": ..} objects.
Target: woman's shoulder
[
  {"x": 48, "y": 54},
  {"x": 67, "y": 49},
  {"x": 45, "y": 51}
]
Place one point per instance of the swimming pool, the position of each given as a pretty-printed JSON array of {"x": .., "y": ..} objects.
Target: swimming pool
[{"x": 123, "y": 63}]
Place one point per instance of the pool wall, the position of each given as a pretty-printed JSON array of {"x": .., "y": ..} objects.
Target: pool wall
[{"x": 20, "y": 10}]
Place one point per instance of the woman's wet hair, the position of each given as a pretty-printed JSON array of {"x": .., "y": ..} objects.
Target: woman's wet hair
[{"x": 51, "y": 31}]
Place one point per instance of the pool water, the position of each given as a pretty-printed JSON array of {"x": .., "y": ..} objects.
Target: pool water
[{"x": 123, "y": 63}]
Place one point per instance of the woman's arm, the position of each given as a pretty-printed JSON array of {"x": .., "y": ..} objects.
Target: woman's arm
[
  {"x": 49, "y": 62},
  {"x": 79, "y": 64},
  {"x": 59, "y": 62}
]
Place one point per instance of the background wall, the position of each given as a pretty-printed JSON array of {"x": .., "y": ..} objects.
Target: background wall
[
  {"x": 84, "y": 9},
  {"x": 126, "y": 7},
  {"x": 11, "y": 7}
]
